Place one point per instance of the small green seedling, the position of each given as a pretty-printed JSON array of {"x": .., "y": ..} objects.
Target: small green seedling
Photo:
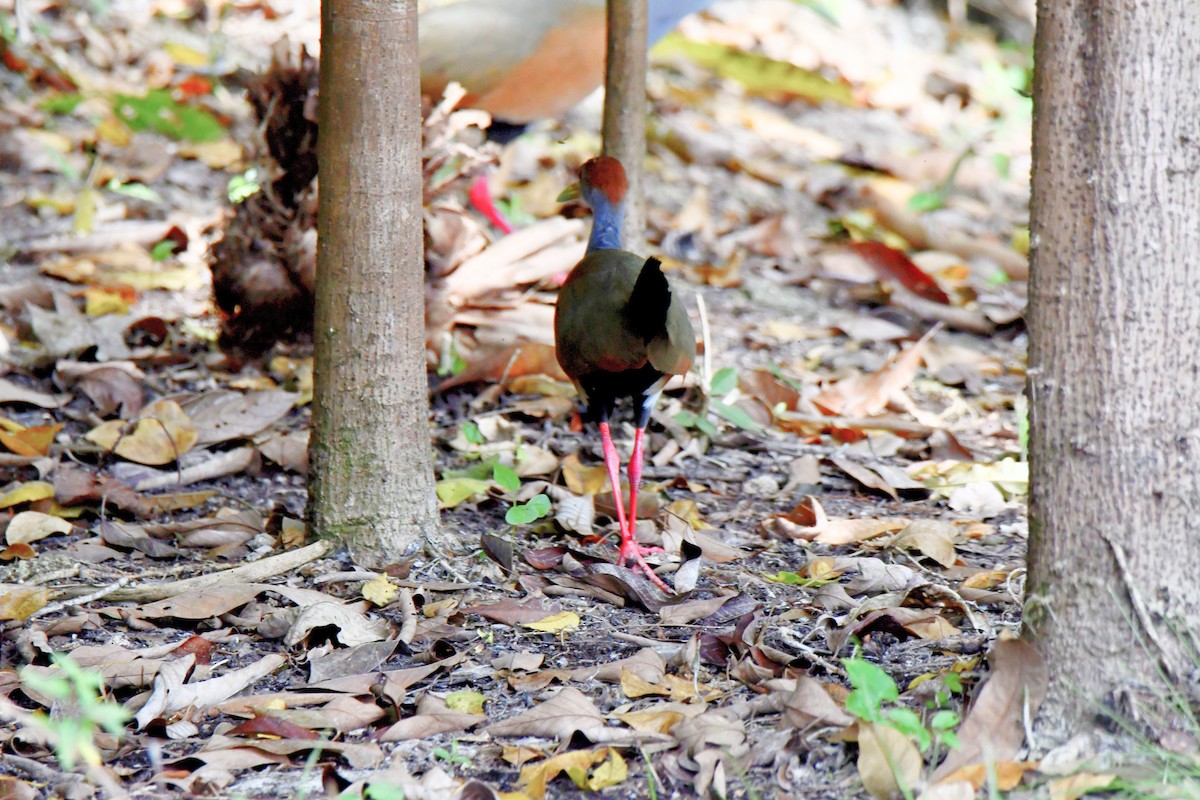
[
  {"x": 82, "y": 693},
  {"x": 452, "y": 756},
  {"x": 537, "y": 507},
  {"x": 722, "y": 384},
  {"x": 242, "y": 187}
]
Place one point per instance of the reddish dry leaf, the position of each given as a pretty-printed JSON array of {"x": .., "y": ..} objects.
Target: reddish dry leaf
[
  {"x": 512, "y": 613},
  {"x": 271, "y": 727},
  {"x": 891, "y": 264},
  {"x": 507, "y": 362},
  {"x": 1008, "y": 774},
  {"x": 994, "y": 727}
]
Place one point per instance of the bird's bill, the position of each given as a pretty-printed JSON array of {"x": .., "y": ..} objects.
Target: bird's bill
[{"x": 569, "y": 193}]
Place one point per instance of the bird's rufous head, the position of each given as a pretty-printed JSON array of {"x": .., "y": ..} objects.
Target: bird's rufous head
[{"x": 603, "y": 174}]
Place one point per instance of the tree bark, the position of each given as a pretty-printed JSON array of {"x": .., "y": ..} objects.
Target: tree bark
[
  {"x": 1114, "y": 319},
  {"x": 372, "y": 463},
  {"x": 625, "y": 109}
]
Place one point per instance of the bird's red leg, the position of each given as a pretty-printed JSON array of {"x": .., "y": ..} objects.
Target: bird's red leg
[
  {"x": 635, "y": 480},
  {"x": 481, "y": 198},
  {"x": 629, "y": 552},
  {"x": 613, "y": 464}
]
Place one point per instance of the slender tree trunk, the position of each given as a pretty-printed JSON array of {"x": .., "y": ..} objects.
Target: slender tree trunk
[
  {"x": 1114, "y": 374},
  {"x": 372, "y": 470},
  {"x": 625, "y": 108}
]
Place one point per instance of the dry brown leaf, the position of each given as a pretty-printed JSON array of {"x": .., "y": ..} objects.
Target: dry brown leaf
[
  {"x": 864, "y": 395},
  {"x": 353, "y": 628},
  {"x": 994, "y": 727},
  {"x": 223, "y": 415},
  {"x": 1007, "y": 774},
  {"x": 560, "y": 717},
  {"x": 1076, "y": 786},
  {"x": 880, "y": 749},
  {"x": 933, "y": 538},
  {"x": 432, "y": 718},
  {"x": 202, "y": 604},
  {"x": 30, "y": 526},
  {"x": 809, "y": 705},
  {"x": 20, "y": 602},
  {"x": 161, "y": 435}
]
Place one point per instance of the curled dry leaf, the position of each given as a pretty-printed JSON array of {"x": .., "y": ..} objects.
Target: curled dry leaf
[
  {"x": 352, "y": 627},
  {"x": 864, "y": 395},
  {"x": 161, "y": 435}
]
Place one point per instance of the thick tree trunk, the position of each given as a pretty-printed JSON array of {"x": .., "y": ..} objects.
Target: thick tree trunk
[
  {"x": 372, "y": 468},
  {"x": 625, "y": 109},
  {"x": 1114, "y": 373}
]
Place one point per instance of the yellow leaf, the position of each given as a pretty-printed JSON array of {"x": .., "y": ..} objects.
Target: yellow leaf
[
  {"x": 1074, "y": 786},
  {"x": 379, "y": 590},
  {"x": 19, "y": 603},
  {"x": 105, "y": 301},
  {"x": 11, "y": 426},
  {"x": 465, "y": 702},
  {"x": 634, "y": 686},
  {"x": 185, "y": 56},
  {"x": 33, "y": 441},
  {"x": 535, "y": 776},
  {"x": 561, "y": 622},
  {"x": 162, "y": 434},
  {"x": 221, "y": 154},
  {"x": 611, "y": 771},
  {"x": 584, "y": 480},
  {"x": 27, "y": 493},
  {"x": 85, "y": 210},
  {"x": 114, "y": 131},
  {"x": 651, "y": 721},
  {"x": 171, "y": 279},
  {"x": 30, "y": 526}
]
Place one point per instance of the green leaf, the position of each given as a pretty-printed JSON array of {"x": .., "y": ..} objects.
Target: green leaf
[
  {"x": 525, "y": 513},
  {"x": 759, "y": 74},
  {"x": 724, "y": 382},
  {"x": 908, "y": 723},
  {"x": 157, "y": 111},
  {"x": 163, "y": 250},
  {"x": 927, "y": 201},
  {"x": 943, "y": 720},
  {"x": 736, "y": 416},
  {"x": 948, "y": 738},
  {"x": 241, "y": 187},
  {"x": 63, "y": 103},
  {"x": 453, "y": 491},
  {"x": 384, "y": 791},
  {"x": 506, "y": 477},
  {"x": 687, "y": 419},
  {"x": 953, "y": 682},
  {"x": 471, "y": 433},
  {"x": 872, "y": 686},
  {"x": 706, "y": 427},
  {"x": 138, "y": 191}
]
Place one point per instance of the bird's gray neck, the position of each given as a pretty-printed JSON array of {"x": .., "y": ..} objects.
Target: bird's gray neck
[{"x": 606, "y": 234}]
